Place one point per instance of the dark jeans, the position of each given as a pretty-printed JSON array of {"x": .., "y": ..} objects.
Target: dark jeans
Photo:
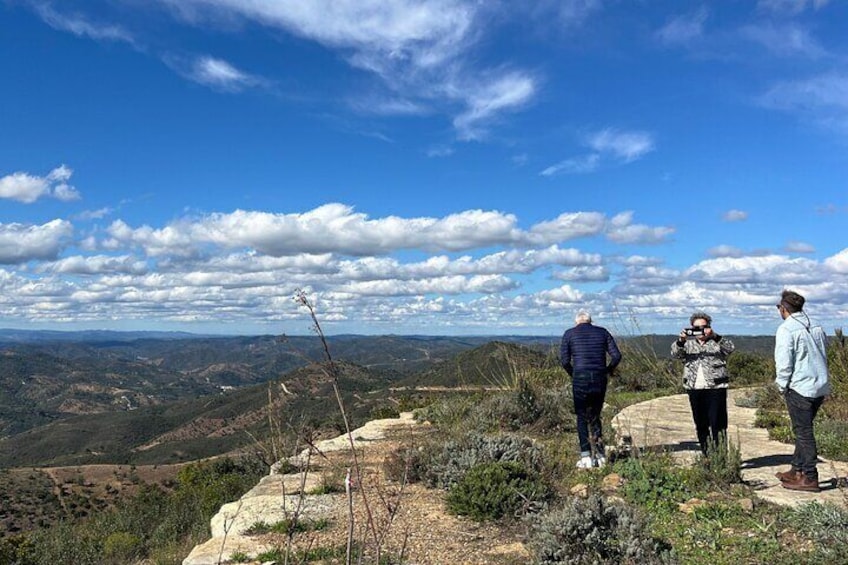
[
  {"x": 709, "y": 411},
  {"x": 589, "y": 389},
  {"x": 802, "y": 412}
]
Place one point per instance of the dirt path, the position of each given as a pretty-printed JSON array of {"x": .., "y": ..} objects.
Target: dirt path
[{"x": 666, "y": 422}]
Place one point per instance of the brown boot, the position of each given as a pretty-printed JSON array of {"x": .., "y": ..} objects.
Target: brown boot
[
  {"x": 789, "y": 476},
  {"x": 803, "y": 483}
]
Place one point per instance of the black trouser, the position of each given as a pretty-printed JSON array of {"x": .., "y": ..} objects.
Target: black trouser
[
  {"x": 802, "y": 412},
  {"x": 709, "y": 411},
  {"x": 589, "y": 389}
]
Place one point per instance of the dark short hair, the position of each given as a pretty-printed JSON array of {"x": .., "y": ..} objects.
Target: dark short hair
[
  {"x": 792, "y": 301},
  {"x": 700, "y": 316}
]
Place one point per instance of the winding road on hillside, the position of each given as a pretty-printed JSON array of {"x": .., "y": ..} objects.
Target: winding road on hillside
[{"x": 666, "y": 423}]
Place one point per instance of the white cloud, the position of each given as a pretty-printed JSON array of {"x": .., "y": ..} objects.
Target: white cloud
[
  {"x": 838, "y": 262},
  {"x": 799, "y": 247},
  {"x": 457, "y": 284},
  {"x": 619, "y": 146},
  {"x": 440, "y": 151},
  {"x": 576, "y": 165},
  {"x": 784, "y": 40},
  {"x": 769, "y": 270},
  {"x": 735, "y": 216},
  {"x": 20, "y": 243},
  {"x": 214, "y": 73},
  {"x": 96, "y": 264},
  {"x": 790, "y": 7},
  {"x": 94, "y": 214},
  {"x": 598, "y": 273},
  {"x": 566, "y": 226},
  {"x": 621, "y": 229},
  {"x": 683, "y": 30},
  {"x": 624, "y": 145},
  {"x": 336, "y": 228},
  {"x": 487, "y": 100},
  {"x": 81, "y": 26},
  {"x": 822, "y": 99},
  {"x": 28, "y": 188},
  {"x": 725, "y": 251},
  {"x": 419, "y": 48}
]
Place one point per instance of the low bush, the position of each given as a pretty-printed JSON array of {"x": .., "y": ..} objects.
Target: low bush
[
  {"x": 407, "y": 463},
  {"x": 830, "y": 438},
  {"x": 594, "y": 531},
  {"x": 828, "y": 525},
  {"x": 384, "y": 411},
  {"x": 457, "y": 457},
  {"x": 654, "y": 481},
  {"x": 491, "y": 491},
  {"x": 720, "y": 467},
  {"x": 450, "y": 413}
]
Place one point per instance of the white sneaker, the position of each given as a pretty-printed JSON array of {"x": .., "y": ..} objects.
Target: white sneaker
[
  {"x": 601, "y": 461},
  {"x": 585, "y": 462}
]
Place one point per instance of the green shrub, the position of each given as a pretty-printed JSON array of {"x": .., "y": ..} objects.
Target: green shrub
[
  {"x": 122, "y": 547},
  {"x": 830, "y": 438},
  {"x": 593, "y": 531},
  {"x": 459, "y": 456},
  {"x": 746, "y": 368},
  {"x": 827, "y": 524},
  {"x": 491, "y": 491},
  {"x": 766, "y": 397},
  {"x": 721, "y": 466},
  {"x": 654, "y": 481},
  {"x": 286, "y": 526},
  {"x": 769, "y": 419},
  {"x": 450, "y": 413},
  {"x": 384, "y": 411}
]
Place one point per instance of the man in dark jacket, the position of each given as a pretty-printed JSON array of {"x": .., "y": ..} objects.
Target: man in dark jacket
[{"x": 584, "y": 357}]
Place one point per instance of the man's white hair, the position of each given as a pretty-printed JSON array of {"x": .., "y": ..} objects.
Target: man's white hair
[{"x": 583, "y": 317}]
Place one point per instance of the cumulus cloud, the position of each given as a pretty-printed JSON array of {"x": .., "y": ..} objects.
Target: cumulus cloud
[
  {"x": 621, "y": 229},
  {"x": 28, "y": 188},
  {"x": 735, "y": 216},
  {"x": 684, "y": 29},
  {"x": 767, "y": 269},
  {"x": 20, "y": 243},
  {"x": 838, "y": 262},
  {"x": 336, "y": 228},
  {"x": 598, "y": 273},
  {"x": 96, "y": 264}
]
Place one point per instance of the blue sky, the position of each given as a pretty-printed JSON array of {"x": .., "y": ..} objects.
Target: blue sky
[{"x": 430, "y": 167}]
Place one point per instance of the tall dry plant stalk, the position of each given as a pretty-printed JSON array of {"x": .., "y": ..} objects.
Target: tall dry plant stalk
[{"x": 354, "y": 477}]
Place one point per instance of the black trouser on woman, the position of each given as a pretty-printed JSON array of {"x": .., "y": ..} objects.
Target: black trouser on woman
[{"x": 709, "y": 411}]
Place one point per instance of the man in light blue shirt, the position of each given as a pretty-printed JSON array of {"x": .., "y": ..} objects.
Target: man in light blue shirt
[{"x": 800, "y": 359}]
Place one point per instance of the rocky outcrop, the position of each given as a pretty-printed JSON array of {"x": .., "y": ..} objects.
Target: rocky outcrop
[{"x": 278, "y": 496}]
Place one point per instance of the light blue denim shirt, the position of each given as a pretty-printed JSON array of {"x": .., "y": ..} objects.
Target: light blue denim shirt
[{"x": 800, "y": 357}]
